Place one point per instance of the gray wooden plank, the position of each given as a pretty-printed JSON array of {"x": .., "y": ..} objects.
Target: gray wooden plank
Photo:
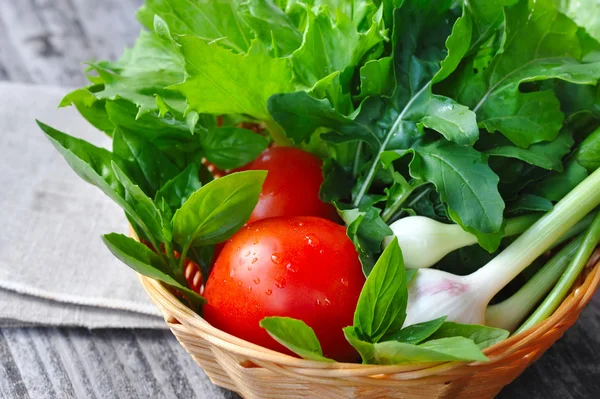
[
  {"x": 27, "y": 359},
  {"x": 11, "y": 382}
]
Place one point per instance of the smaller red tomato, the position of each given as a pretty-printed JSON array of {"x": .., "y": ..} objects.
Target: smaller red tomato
[
  {"x": 300, "y": 267},
  {"x": 292, "y": 185}
]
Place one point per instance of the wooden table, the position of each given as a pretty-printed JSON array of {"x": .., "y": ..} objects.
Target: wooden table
[{"x": 44, "y": 42}]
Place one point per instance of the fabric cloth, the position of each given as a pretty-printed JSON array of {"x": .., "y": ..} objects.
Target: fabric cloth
[{"x": 54, "y": 268}]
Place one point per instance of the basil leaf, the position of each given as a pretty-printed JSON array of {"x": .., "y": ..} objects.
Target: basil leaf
[
  {"x": 144, "y": 261},
  {"x": 381, "y": 307},
  {"x": 145, "y": 213},
  {"x": 145, "y": 163},
  {"x": 231, "y": 147},
  {"x": 482, "y": 336},
  {"x": 439, "y": 350},
  {"x": 394, "y": 352},
  {"x": 295, "y": 335},
  {"x": 367, "y": 230},
  {"x": 174, "y": 193},
  {"x": 216, "y": 211},
  {"x": 417, "y": 333}
]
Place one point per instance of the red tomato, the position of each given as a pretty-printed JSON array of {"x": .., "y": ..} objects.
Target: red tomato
[
  {"x": 292, "y": 185},
  {"x": 300, "y": 267}
]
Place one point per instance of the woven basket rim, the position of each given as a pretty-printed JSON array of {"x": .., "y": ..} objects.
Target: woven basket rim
[{"x": 175, "y": 312}]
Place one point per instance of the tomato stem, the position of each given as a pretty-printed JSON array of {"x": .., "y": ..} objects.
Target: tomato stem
[{"x": 277, "y": 133}]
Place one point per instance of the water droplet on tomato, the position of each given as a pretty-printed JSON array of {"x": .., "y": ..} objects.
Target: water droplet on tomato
[
  {"x": 312, "y": 240},
  {"x": 239, "y": 283},
  {"x": 344, "y": 282},
  {"x": 291, "y": 268},
  {"x": 321, "y": 252},
  {"x": 224, "y": 281},
  {"x": 254, "y": 261},
  {"x": 318, "y": 302},
  {"x": 255, "y": 242},
  {"x": 249, "y": 290},
  {"x": 300, "y": 224},
  {"x": 256, "y": 280},
  {"x": 280, "y": 283},
  {"x": 249, "y": 268},
  {"x": 327, "y": 302},
  {"x": 231, "y": 273},
  {"x": 247, "y": 253},
  {"x": 277, "y": 258},
  {"x": 268, "y": 292}
]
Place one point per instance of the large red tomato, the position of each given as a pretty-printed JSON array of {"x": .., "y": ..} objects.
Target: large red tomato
[
  {"x": 292, "y": 184},
  {"x": 300, "y": 267}
]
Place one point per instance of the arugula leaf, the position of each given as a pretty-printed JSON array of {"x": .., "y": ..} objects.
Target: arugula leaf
[
  {"x": 539, "y": 44},
  {"x": 217, "y": 21},
  {"x": 547, "y": 155},
  {"x": 174, "y": 193},
  {"x": 295, "y": 335},
  {"x": 145, "y": 163},
  {"x": 144, "y": 261},
  {"x": 529, "y": 203},
  {"x": 217, "y": 210},
  {"x": 221, "y": 82},
  {"x": 417, "y": 333},
  {"x": 381, "y": 307},
  {"x": 482, "y": 336},
  {"x": 231, "y": 147},
  {"x": 466, "y": 184},
  {"x": 556, "y": 185}
]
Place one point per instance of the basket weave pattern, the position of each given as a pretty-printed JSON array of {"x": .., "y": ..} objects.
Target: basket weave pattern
[{"x": 258, "y": 373}]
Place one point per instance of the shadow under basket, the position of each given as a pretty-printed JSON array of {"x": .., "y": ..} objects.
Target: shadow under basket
[{"x": 259, "y": 373}]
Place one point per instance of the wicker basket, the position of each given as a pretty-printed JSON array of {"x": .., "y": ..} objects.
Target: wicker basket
[{"x": 256, "y": 372}]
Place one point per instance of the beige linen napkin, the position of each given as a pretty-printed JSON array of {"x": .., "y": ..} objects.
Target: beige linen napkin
[{"x": 54, "y": 268}]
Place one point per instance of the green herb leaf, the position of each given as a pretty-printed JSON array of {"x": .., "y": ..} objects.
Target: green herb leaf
[
  {"x": 377, "y": 77},
  {"x": 547, "y": 155},
  {"x": 145, "y": 213},
  {"x": 556, "y": 185},
  {"x": 211, "y": 20},
  {"x": 144, "y": 162},
  {"x": 417, "y": 332},
  {"x": 174, "y": 193},
  {"x": 144, "y": 261},
  {"x": 143, "y": 72},
  {"x": 482, "y": 336},
  {"x": 329, "y": 47},
  {"x": 539, "y": 44},
  {"x": 221, "y": 82},
  {"x": 438, "y": 350},
  {"x": 588, "y": 154},
  {"x": 381, "y": 307},
  {"x": 92, "y": 109},
  {"x": 367, "y": 230},
  {"x": 466, "y": 184},
  {"x": 231, "y": 147},
  {"x": 295, "y": 335},
  {"x": 216, "y": 211}
]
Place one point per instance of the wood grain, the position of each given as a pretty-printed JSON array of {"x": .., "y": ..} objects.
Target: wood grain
[{"x": 45, "y": 42}]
